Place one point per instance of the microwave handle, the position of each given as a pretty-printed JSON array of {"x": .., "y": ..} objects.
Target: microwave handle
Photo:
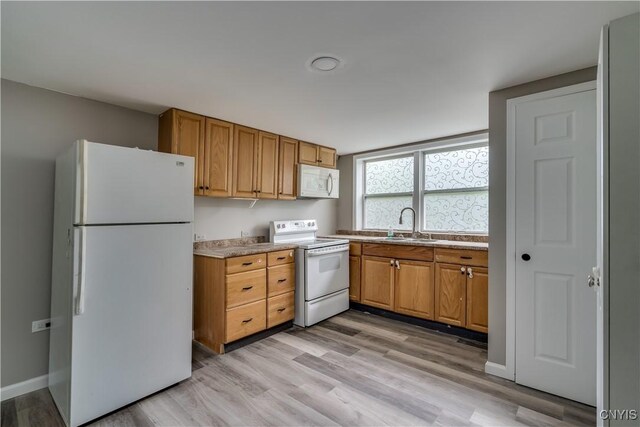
[{"x": 330, "y": 181}]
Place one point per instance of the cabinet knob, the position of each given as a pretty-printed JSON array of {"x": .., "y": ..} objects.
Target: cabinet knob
[
  {"x": 470, "y": 273},
  {"x": 201, "y": 188},
  {"x": 526, "y": 257},
  {"x": 206, "y": 188},
  {"x": 463, "y": 270}
]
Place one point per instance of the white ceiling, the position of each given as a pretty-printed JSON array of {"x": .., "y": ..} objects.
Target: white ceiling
[{"x": 412, "y": 71}]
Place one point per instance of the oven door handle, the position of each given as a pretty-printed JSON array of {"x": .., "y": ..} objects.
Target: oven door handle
[{"x": 344, "y": 248}]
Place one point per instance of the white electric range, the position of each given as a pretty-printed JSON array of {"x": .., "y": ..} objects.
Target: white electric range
[{"x": 322, "y": 270}]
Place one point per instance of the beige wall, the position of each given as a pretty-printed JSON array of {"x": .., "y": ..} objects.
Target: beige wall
[
  {"x": 37, "y": 125},
  {"x": 345, "y": 203},
  {"x": 498, "y": 198},
  {"x": 225, "y": 219}
]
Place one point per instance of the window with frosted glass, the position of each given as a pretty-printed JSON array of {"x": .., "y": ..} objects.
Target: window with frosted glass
[
  {"x": 456, "y": 190},
  {"x": 388, "y": 188}
]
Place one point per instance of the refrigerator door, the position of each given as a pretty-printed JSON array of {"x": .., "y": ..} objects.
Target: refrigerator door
[
  {"x": 131, "y": 325},
  {"x": 118, "y": 185}
]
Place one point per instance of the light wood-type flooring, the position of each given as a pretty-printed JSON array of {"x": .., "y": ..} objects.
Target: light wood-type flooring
[{"x": 353, "y": 369}]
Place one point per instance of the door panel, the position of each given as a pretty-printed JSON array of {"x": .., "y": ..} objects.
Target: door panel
[
  {"x": 118, "y": 185},
  {"x": 245, "y": 150},
  {"x": 218, "y": 158},
  {"x": 267, "y": 166},
  {"x": 414, "y": 289},
  {"x": 188, "y": 141},
  {"x": 450, "y": 294},
  {"x": 377, "y": 282},
  {"x": 326, "y": 157},
  {"x": 477, "y": 299},
  {"x": 134, "y": 336},
  {"x": 556, "y": 226},
  {"x": 354, "y": 278},
  {"x": 307, "y": 153},
  {"x": 287, "y": 168}
]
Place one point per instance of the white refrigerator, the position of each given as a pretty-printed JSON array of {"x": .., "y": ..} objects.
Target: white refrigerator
[{"x": 121, "y": 277}]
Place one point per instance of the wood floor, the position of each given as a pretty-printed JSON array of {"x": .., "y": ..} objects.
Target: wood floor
[{"x": 353, "y": 369}]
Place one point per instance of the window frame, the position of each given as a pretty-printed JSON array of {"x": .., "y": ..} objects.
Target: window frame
[{"x": 418, "y": 194}]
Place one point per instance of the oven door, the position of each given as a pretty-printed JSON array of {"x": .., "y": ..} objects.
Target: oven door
[{"x": 326, "y": 271}]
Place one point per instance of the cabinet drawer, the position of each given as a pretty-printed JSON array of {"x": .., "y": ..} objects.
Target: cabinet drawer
[
  {"x": 246, "y": 320},
  {"x": 355, "y": 249},
  {"x": 416, "y": 253},
  {"x": 463, "y": 257},
  {"x": 280, "y": 309},
  {"x": 243, "y": 288},
  {"x": 246, "y": 263},
  {"x": 281, "y": 279},
  {"x": 280, "y": 257}
]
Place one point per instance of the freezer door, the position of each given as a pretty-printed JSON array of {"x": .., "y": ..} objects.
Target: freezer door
[
  {"x": 132, "y": 315},
  {"x": 118, "y": 185}
]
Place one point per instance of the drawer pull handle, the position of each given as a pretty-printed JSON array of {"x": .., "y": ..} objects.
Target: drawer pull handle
[
  {"x": 247, "y": 288},
  {"x": 246, "y": 264},
  {"x": 281, "y": 309},
  {"x": 280, "y": 258},
  {"x": 248, "y": 320},
  {"x": 282, "y": 280},
  {"x": 466, "y": 257}
]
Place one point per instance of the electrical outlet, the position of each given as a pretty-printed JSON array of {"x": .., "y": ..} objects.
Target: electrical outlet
[
  {"x": 40, "y": 325},
  {"x": 199, "y": 237},
  {"x": 245, "y": 233}
]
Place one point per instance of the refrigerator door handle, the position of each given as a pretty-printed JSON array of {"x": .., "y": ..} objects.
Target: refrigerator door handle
[{"x": 80, "y": 273}]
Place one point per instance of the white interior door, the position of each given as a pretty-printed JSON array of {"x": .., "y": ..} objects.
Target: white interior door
[{"x": 555, "y": 242}]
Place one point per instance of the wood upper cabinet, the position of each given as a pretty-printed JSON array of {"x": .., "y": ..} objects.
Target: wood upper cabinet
[
  {"x": 326, "y": 157},
  {"x": 414, "y": 288},
  {"x": 354, "y": 278},
  {"x": 450, "y": 294},
  {"x": 218, "y": 158},
  {"x": 477, "y": 299},
  {"x": 287, "y": 161},
  {"x": 307, "y": 153},
  {"x": 245, "y": 156},
  {"x": 181, "y": 132},
  {"x": 376, "y": 288},
  {"x": 316, "y": 155},
  {"x": 267, "y": 173}
]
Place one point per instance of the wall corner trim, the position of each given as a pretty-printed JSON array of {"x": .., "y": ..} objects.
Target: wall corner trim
[
  {"x": 24, "y": 387},
  {"x": 498, "y": 370}
]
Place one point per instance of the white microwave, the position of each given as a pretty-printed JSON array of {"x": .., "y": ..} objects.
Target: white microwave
[{"x": 318, "y": 183}]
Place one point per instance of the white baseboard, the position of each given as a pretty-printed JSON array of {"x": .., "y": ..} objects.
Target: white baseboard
[
  {"x": 497, "y": 370},
  {"x": 17, "y": 389}
]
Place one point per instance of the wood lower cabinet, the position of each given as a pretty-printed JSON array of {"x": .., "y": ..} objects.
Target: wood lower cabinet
[
  {"x": 450, "y": 294},
  {"x": 237, "y": 297},
  {"x": 354, "y": 278},
  {"x": 414, "y": 287},
  {"x": 287, "y": 168},
  {"x": 376, "y": 288},
  {"x": 218, "y": 158},
  {"x": 477, "y": 299},
  {"x": 181, "y": 132},
  {"x": 405, "y": 279}
]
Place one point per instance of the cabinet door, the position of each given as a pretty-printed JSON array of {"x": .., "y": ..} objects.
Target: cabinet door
[
  {"x": 287, "y": 168},
  {"x": 451, "y": 282},
  {"x": 218, "y": 164},
  {"x": 354, "y": 278},
  {"x": 376, "y": 286},
  {"x": 267, "y": 185},
  {"x": 477, "y": 299},
  {"x": 245, "y": 153},
  {"x": 326, "y": 157},
  {"x": 182, "y": 133},
  {"x": 307, "y": 153},
  {"x": 414, "y": 288}
]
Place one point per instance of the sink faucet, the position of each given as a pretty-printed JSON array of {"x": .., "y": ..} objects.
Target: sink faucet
[{"x": 414, "y": 233}]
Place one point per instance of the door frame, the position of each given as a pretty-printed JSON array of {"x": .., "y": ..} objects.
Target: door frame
[{"x": 509, "y": 371}]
